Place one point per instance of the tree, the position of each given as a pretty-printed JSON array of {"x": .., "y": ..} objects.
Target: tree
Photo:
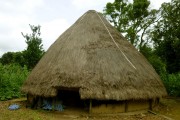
[
  {"x": 18, "y": 58},
  {"x": 7, "y": 58},
  {"x": 132, "y": 19},
  {"x": 12, "y": 58},
  {"x": 154, "y": 59},
  {"x": 166, "y": 35},
  {"x": 34, "y": 50}
]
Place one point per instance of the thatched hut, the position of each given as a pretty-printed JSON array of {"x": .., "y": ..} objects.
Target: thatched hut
[{"x": 91, "y": 61}]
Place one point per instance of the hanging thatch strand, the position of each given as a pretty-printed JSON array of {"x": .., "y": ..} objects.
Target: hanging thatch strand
[{"x": 95, "y": 59}]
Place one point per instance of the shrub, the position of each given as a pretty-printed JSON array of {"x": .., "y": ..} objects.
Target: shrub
[
  {"x": 172, "y": 84},
  {"x": 12, "y": 77}
]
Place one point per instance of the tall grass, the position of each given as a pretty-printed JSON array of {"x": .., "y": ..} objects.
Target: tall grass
[{"x": 11, "y": 79}]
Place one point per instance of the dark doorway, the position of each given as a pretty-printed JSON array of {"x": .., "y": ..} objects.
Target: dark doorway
[{"x": 71, "y": 98}]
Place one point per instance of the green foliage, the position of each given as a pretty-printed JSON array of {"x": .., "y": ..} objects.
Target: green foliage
[
  {"x": 18, "y": 58},
  {"x": 13, "y": 70},
  {"x": 140, "y": 8},
  {"x": 172, "y": 83},
  {"x": 12, "y": 57},
  {"x": 31, "y": 55},
  {"x": 166, "y": 35},
  {"x": 154, "y": 59},
  {"x": 12, "y": 77},
  {"x": 154, "y": 32},
  {"x": 133, "y": 19},
  {"x": 7, "y": 58},
  {"x": 34, "y": 50}
]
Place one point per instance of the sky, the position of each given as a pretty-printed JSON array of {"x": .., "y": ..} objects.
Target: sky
[{"x": 54, "y": 17}]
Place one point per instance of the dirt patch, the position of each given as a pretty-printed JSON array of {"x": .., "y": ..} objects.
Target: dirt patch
[{"x": 169, "y": 108}]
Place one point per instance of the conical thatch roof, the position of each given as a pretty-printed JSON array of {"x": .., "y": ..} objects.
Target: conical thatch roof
[{"x": 94, "y": 58}]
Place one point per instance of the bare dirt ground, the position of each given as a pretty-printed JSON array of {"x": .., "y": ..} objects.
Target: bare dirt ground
[{"x": 169, "y": 109}]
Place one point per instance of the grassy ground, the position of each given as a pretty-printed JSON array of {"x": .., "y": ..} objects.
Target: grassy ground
[{"x": 169, "y": 108}]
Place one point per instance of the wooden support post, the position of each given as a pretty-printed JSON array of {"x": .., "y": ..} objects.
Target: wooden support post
[
  {"x": 126, "y": 106},
  {"x": 34, "y": 102},
  {"x": 150, "y": 104},
  {"x": 157, "y": 100},
  {"x": 90, "y": 106},
  {"x": 53, "y": 103},
  {"x": 28, "y": 102}
]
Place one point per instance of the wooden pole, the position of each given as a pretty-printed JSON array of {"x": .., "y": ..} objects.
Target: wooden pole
[
  {"x": 53, "y": 103},
  {"x": 150, "y": 104},
  {"x": 90, "y": 106},
  {"x": 126, "y": 106}
]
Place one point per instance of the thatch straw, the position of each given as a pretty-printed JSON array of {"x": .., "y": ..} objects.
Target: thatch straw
[{"x": 86, "y": 58}]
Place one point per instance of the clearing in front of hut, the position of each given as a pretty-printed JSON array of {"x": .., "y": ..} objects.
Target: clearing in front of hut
[{"x": 168, "y": 108}]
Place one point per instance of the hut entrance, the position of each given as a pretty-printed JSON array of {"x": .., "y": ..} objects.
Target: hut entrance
[{"x": 71, "y": 99}]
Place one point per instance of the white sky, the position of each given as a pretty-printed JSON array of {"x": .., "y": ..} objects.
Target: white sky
[{"x": 54, "y": 17}]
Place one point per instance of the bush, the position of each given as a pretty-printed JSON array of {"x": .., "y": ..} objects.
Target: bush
[
  {"x": 11, "y": 79},
  {"x": 153, "y": 59},
  {"x": 172, "y": 84}
]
